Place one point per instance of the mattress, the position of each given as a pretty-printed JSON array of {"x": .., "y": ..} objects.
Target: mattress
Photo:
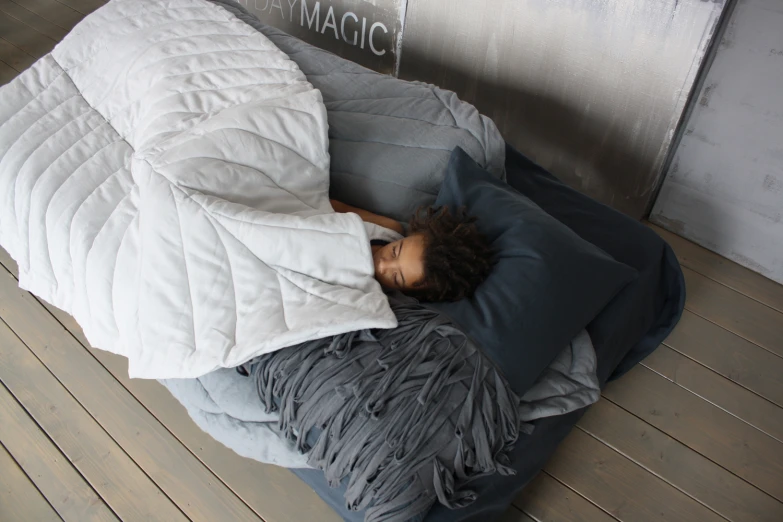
[{"x": 625, "y": 332}]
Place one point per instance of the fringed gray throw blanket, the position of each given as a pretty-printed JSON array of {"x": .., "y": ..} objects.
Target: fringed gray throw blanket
[{"x": 409, "y": 415}]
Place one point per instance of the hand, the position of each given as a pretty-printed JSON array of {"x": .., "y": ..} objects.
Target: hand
[{"x": 339, "y": 206}]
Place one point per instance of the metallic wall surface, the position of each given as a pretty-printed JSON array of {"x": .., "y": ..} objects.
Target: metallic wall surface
[{"x": 591, "y": 89}]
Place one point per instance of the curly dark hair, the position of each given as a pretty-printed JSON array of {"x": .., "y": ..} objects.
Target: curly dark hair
[{"x": 457, "y": 257}]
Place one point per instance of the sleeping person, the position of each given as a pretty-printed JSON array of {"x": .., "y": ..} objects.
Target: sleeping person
[{"x": 443, "y": 258}]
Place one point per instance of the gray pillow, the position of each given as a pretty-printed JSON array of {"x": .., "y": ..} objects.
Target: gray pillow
[{"x": 548, "y": 283}]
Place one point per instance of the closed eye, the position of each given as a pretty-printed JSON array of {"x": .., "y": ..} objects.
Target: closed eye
[{"x": 394, "y": 251}]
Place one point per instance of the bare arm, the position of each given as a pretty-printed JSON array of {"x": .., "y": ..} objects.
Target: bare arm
[{"x": 368, "y": 216}]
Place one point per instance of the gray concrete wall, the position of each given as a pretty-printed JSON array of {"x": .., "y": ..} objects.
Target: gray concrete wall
[{"x": 725, "y": 186}]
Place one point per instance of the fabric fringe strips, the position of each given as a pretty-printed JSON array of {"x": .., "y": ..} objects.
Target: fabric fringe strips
[{"x": 409, "y": 415}]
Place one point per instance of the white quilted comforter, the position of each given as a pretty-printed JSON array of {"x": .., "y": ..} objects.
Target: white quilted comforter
[{"x": 164, "y": 178}]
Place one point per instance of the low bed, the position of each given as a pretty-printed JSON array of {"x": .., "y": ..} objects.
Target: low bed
[{"x": 166, "y": 173}]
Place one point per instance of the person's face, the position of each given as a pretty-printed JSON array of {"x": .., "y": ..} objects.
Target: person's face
[{"x": 400, "y": 265}]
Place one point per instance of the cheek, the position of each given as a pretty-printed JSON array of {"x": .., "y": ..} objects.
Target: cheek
[{"x": 384, "y": 281}]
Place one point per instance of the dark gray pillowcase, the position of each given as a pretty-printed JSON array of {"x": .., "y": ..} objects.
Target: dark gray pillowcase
[{"x": 547, "y": 285}]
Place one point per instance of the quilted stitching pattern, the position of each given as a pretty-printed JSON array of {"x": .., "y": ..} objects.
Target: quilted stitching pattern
[
  {"x": 164, "y": 177},
  {"x": 390, "y": 139}
]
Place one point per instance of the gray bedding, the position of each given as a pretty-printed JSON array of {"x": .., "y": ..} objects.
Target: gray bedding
[
  {"x": 227, "y": 405},
  {"x": 405, "y": 416},
  {"x": 336, "y": 403},
  {"x": 390, "y": 141}
]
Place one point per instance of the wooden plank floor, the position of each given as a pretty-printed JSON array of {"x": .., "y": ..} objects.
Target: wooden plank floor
[{"x": 694, "y": 433}]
